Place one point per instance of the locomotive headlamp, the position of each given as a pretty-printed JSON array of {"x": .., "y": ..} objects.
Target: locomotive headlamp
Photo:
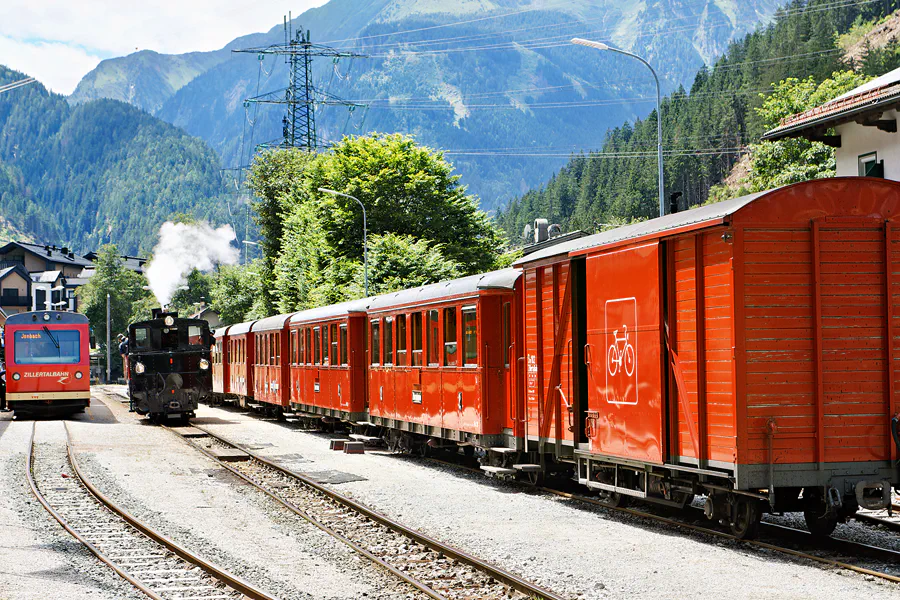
[
  {"x": 139, "y": 368},
  {"x": 204, "y": 364},
  {"x": 46, "y": 316},
  {"x": 169, "y": 321},
  {"x": 78, "y": 374},
  {"x": 16, "y": 377}
]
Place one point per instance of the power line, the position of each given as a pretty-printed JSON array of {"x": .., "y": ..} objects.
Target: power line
[
  {"x": 17, "y": 84},
  {"x": 301, "y": 97}
]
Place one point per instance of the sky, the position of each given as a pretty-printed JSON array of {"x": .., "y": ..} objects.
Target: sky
[{"x": 59, "y": 41}]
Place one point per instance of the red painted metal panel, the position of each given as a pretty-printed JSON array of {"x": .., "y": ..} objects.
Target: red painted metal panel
[{"x": 624, "y": 348}]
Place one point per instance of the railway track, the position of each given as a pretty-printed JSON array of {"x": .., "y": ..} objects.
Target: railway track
[
  {"x": 874, "y": 561},
  {"x": 433, "y": 568},
  {"x": 153, "y": 564}
]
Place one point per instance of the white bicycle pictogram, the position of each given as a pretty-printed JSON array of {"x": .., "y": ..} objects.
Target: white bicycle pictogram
[{"x": 615, "y": 357}]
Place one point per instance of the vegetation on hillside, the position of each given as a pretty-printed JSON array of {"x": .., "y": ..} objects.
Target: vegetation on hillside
[
  {"x": 708, "y": 127},
  {"x": 100, "y": 172}
]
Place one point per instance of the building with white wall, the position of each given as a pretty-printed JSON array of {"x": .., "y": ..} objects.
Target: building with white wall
[{"x": 861, "y": 126}]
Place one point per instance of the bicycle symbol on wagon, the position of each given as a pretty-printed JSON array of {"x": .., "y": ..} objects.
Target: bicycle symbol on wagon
[{"x": 617, "y": 360}]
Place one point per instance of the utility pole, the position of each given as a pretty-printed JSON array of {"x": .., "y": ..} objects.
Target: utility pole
[
  {"x": 301, "y": 97},
  {"x": 108, "y": 353}
]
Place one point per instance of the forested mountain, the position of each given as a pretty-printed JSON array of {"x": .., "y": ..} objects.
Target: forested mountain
[
  {"x": 706, "y": 128},
  {"x": 471, "y": 76},
  {"x": 103, "y": 171}
]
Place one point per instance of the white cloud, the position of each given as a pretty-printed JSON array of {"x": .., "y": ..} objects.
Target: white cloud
[
  {"x": 36, "y": 32},
  {"x": 57, "y": 66}
]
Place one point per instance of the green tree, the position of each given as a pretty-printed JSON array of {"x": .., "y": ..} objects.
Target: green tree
[
  {"x": 398, "y": 262},
  {"x": 126, "y": 292},
  {"x": 233, "y": 292},
  {"x": 774, "y": 164},
  {"x": 197, "y": 290}
]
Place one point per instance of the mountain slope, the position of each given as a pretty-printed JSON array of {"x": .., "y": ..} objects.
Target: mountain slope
[
  {"x": 103, "y": 171},
  {"x": 145, "y": 79},
  {"x": 718, "y": 113},
  {"x": 524, "y": 87}
]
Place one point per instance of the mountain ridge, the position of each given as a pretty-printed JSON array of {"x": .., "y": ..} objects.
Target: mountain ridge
[{"x": 531, "y": 51}]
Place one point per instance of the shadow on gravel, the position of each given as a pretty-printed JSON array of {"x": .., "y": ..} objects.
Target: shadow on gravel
[{"x": 211, "y": 421}]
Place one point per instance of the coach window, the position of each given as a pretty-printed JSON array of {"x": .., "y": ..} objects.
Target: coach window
[
  {"x": 326, "y": 347},
  {"x": 470, "y": 336},
  {"x": 451, "y": 358},
  {"x": 334, "y": 344},
  {"x": 277, "y": 348},
  {"x": 309, "y": 346},
  {"x": 389, "y": 340},
  {"x": 416, "y": 331},
  {"x": 376, "y": 342},
  {"x": 317, "y": 345},
  {"x": 434, "y": 341},
  {"x": 401, "y": 340},
  {"x": 343, "y": 330}
]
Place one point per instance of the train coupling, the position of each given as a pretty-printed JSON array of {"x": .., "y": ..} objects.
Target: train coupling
[{"x": 873, "y": 495}]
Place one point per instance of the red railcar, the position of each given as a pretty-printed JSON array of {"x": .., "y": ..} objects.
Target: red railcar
[
  {"x": 745, "y": 350},
  {"x": 441, "y": 362},
  {"x": 220, "y": 364},
  {"x": 271, "y": 376},
  {"x": 328, "y": 361},
  {"x": 240, "y": 356},
  {"x": 47, "y": 363}
]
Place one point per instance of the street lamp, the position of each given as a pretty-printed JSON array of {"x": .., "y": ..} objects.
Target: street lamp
[
  {"x": 365, "y": 234},
  {"x": 659, "y": 152}
]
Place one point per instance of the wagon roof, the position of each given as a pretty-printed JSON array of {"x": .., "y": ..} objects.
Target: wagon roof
[
  {"x": 240, "y": 328},
  {"x": 505, "y": 279},
  {"x": 331, "y": 312},
  {"x": 271, "y": 323},
  {"x": 659, "y": 225},
  {"x": 221, "y": 331}
]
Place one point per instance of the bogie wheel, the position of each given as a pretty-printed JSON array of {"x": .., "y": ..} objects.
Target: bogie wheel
[
  {"x": 534, "y": 478},
  {"x": 613, "y": 499},
  {"x": 819, "y": 524},
  {"x": 745, "y": 518}
]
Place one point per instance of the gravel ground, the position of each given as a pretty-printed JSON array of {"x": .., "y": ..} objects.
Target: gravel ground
[
  {"x": 171, "y": 486},
  {"x": 573, "y": 549},
  {"x": 38, "y": 559}
]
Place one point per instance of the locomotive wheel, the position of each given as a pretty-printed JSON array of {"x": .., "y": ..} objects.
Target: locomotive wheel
[
  {"x": 613, "y": 499},
  {"x": 819, "y": 524},
  {"x": 745, "y": 519}
]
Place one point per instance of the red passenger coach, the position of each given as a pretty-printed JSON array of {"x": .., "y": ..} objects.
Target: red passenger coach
[
  {"x": 441, "y": 362},
  {"x": 220, "y": 366},
  {"x": 328, "y": 361},
  {"x": 745, "y": 350},
  {"x": 271, "y": 377},
  {"x": 47, "y": 363},
  {"x": 240, "y": 356}
]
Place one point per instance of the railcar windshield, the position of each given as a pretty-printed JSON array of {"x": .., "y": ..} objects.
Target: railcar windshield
[{"x": 46, "y": 347}]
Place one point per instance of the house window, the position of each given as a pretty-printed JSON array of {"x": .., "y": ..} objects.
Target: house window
[{"x": 870, "y": 166}]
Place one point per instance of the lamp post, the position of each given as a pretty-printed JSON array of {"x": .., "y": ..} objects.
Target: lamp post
[
  {"x": 365, "y": 234},
  {"x": 659, "y": 153}
]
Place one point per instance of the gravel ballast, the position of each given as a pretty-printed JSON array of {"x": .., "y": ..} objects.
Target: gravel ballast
[
  {"x": 161, "y": 480},
  {"x": 565, "y": 546}
]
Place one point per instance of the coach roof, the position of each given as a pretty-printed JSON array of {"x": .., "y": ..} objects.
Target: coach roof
[
  {"x": 504, "y": 279},
  {"x": 333, "y": 311},
  {"x": 271, "y": 323},
  {"x": 654, "y": 227},
  {"x": 240, "y": 328}
]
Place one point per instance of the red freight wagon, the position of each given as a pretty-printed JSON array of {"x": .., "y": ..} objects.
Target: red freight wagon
[
  {"x": 271, "y": 377},
  {"x": 328, "y": 361},
  {"x": 240, "y": 356},
  {"x": 744, "y": 350},
  {"x": 220, "y": 370},
  {"x": 441, "y": 362}
]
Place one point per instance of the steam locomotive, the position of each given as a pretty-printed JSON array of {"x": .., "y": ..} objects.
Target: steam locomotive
[{"x": 169, "y": 360}]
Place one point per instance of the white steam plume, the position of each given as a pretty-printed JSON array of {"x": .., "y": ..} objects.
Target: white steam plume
[{"x": 183, "y": 248}]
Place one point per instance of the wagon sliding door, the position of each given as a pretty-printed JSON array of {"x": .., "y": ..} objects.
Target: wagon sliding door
[{"x": 625, "y": 409}]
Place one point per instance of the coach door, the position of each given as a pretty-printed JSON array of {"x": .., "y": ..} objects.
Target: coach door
[{"x": 623, "y": 353}]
